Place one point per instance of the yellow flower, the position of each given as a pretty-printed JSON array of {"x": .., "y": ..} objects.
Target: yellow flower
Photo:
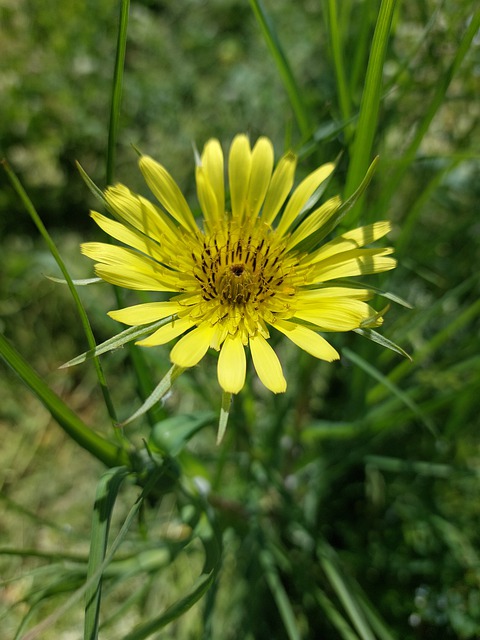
[{"x": 245, "y": 269}]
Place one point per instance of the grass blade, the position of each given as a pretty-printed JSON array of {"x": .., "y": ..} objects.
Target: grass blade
[
  {"x": 110, "y": 454},
  {"x": 279, "y": 594},
  {"x": 105, "y": 498},
  {"x": 76, "y": 298},
  {"x": 117, "y": 89},
  {"x": 301, "y": 114},
  {"x": 361, "y": 150}
]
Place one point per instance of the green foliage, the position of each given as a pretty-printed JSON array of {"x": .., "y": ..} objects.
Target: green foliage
[{"x": 344, "y": 508}]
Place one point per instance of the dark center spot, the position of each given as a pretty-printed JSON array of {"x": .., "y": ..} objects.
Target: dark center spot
[{"x": 237, "y": 269}]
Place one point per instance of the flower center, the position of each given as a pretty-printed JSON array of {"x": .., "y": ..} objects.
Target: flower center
[{"x": 241, "y": 267}]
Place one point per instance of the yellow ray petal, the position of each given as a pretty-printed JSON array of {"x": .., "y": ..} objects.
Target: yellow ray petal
[
  {"x": 239, "y": 168},
  {"x": 302, "y": 194},
  {"x": 307, "y": 340},
  {"x": 167, "y": 332},
  {"x": 354, "y": 239},
  {"x": 140, "y": 213},
  {"x": 190, "y": 349},
  {"x": 144, "y": 313},
  {"x": 280, "y": 186},
  {"x": 261, "y": 173},
  {"x": 352, "y": 263},
  {"x": 207, "y": 198},
  {"x": 267, "y": 365},
  {"x": 136, "y": 240},
  {"x": 212, "y": 163},
  {"x": 314, "y": 221},
  {"x": 340, "y": 314},
  {"x": 166, "y": 190},
  {"x": 232, "y": 364},
  {"x": 318, "y": 296}
]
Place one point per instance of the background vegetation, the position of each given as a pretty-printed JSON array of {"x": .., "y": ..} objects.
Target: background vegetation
[{"x": 347, "y": 508}]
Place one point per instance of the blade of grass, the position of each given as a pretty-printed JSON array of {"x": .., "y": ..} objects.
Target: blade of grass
[
  {"x": 110, "y": 454},
  {"x": 40, "y": 628},
  {"x": 299, "y": 109},
  {"x": 279, "y": 594},
  {"x": 444, "y": 81},
  {"x": 76, "y": 298},
  {"x": 116, "y": 101},
  {"x": 333, "y": 614},
  {"x": 339, "y": 65},
  {"x": 361, "y": 149},
  {"x": 387, "y": 384},
  {"x": 343, "y": 591},
  {"x": 105, "y": 497}
]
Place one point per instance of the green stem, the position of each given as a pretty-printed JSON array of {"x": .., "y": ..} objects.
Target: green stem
[
  {"x": 298, "y": 106},
  {"x": 117, "y": 89},
  {"x": 107, "y": 452},
  {"x": 76, "y": 298}
]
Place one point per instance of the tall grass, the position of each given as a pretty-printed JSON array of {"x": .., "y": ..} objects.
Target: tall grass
[{"x": 344, "y": 508}]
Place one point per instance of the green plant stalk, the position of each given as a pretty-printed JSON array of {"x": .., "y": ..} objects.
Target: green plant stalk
[
  {"x": 294, "y": 94},
  {"x": 438, "y": 99},
  {"x": 138, "y": 362},
  {"x": 78, "y": 303},
  {"x": 110, "y": 454},
  {"x": 338, "y": 63},
  {"x": 117, "y": 89},
  {"x": 370, "y": 103}
]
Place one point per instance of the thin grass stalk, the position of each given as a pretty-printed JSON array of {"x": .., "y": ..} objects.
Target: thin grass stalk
[
  {"x": 370, "y": 104},
  {"x": 295, "y": 95},
  {"x": 76, "y": 298}
]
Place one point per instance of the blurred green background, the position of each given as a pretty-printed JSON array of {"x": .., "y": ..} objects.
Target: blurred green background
[{"x": 377, "y": 457}]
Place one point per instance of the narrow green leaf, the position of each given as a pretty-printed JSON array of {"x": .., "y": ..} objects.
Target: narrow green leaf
[
  {"x": 110, "y": 454},
  {"x": 344, "y": 592},
  {"x": 38, "y": 631},
  {"x": 115, "y": 106},
  {"x": 76, "y": 298},
  {"x": 172, "y": 434},
  {"x": 296, "y": 99},
  {"x": 374, "y": 336},
  {"x": 157, "y": 394},
  {"x": 224, "y": 414},
  {"x": 132, "y": 333},
  {"x": 444, "y": 81},
  {"x": 362, "y": 145},
  {"x": 336, "y": 46},
  {"x": 333, "y": 614},
  {"x": 105, "y": 497},
  {"x": 279, "y": 594},
  {"x": 82, "y": 282},
  {"x": 377, "y": 375},
  {"x": 96, "y": 191}
]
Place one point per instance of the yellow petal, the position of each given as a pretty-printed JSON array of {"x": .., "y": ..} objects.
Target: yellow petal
[
  {"x": 262, "y": 165},
  {"x": 117, "y": 264},
  {"x": 354, "y": 239},
  {"x": 167, "y": 332},
  {"x": 352, "y": 263},
  {"x": 190, "y": 349},
  {"x": 280, "y": 186},
  {"x": 140, "y": 213},
  {"x": 239, "y": 167},
  {"x": 144, "y": 313},
  {"x": 308, "y": 340},
  {"x": 166, "y": 190},
  {"x": 212, "y": 163},
  {"x": 302, "y": 194},
  {"x": 232, "y": 364},
  {"x": 120, "y": 232},
  {"x": 267, "y": 364},
  {"x": 338, "y": 314},
  {"x": 314, "y": 221},
  {"x": 207, "y": 198},
  {"x": 318, "y": 296}
]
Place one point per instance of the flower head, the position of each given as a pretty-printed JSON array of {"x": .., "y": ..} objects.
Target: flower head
[{"x": 253, "y": 264}]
